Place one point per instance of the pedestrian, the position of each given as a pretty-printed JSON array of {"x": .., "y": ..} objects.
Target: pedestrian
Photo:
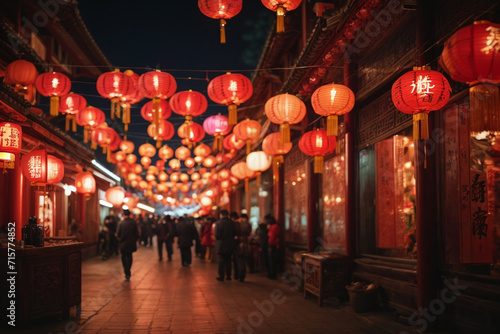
[
  {"x": 145, "y": 227},
  {"x": 172, "y": 232},
  {"x": 273, "y": 246},
  {"x": 235, "y": 218},
  {"x": 207, "y": 237},
  {"x": 225, "y": 233},
  {"x": 128, "y": 234},
  {"x": 163, "y": 231},
  {"x": 186, "y": 233},
  {"x": 262, "y": 240},
  {"x": 243, "y": 249}
]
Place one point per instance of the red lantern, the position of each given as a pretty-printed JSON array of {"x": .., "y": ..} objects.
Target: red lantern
[
  {"x": 271, "y": 145},
  {"x": 114, "y": 86},
  {"x": 127, "y": 100},
  {"x": 220, "y": 10},
  {"x": 165, "y": 153},
  {"x": 230, "y": 143},
  {"x": 115, "y": 196},
  {"x": 101, "y": 135},
  {"x": 317, "y": 143},
  {"x": 175, "y": 176},
  {"x": 331, "y": 101},
  {"x": 417, "y": 93},
  {"x": 216, "y": 126},
  {"x": 231, "y": 90},
  {"x": 147, "y": 150},
  {"x": 258, "y": 162},
  {"x": 192, "y": 131},
  {"x": 202, "y": 150},
  {"x": 188, "y": 104},
  {"x": 55, "y": 170},
  {"x": 174, "y": 165},
  {"x": 89, "y": 118},
  {"x": 131, "y": 159},
  {"x": 285, "y": 109},
  {"x": 471, "y": 55},
  {"x": 127, "y": 146},
  {"x": 247, "y": 130},
  {"x": 146, "y": 161},
  {"x": 242, "y": 172},
  {"x": 163, "y": 131},
  {"x": 20, "y": 73},
  {"x": 53, "y": 85},
  {"x": 182, "y": 153},
  {"x": 120, "y": 156},
  {"x": 71, "y": 104},
  {"x": 189, "y": 162},
  {"x": 184, "y": 178},
  {"x": 210, "y": 161},
  {"x": 281, "y": 7},
  {"x": 163, "y": 110},
  {"x": 85, "y": 183},
  {"x": 10, "y": 142}
]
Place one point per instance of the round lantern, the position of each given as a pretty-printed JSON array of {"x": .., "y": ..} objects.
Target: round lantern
[
  {"x": 202, "y": 150},
  {"x": 230, "y": 89},
  {"x": 189, "y": 162},
  {"x": 131, "y": 159},
  {"x": 127, "y": 146},
  {"x": 101, "y": 136},
  {"x": 164, "y": 130},
  {"x": 115, "y": 196},
  {"x": 247, "y": 130},
  {"x": 85, "y": 183},
  {"x": 188, "y": 104},
  {"x": 147, "y": 150},
  {"x": 331, "y": 101},
  {"x": 174, "y": 164},
  {"x": 20, "y": 73},
  {"x": 317, "y": 143},
  {"x": 230, "y": 143},
  {"x": 113, "y": 86},
  {"x": 241, "y": 171},
  {"x": 55, "y": 170},
  {"x": 281, "y": 7},
  {"x": 53, "y": 85},
  {"x": 165, "y": 153},
  {"x": 10, "y": 141},
  {"x": 164, "y": 110},
  {"x": 220, "y": 10},
  {"x": 71, "y": 104},
  {"x": 175, "y": 177},
  {"x": 216, "y": 126},
  {"x": 417, "y": 93},
  {"x": 471, "y": 55},
  {"x": 120, "y": 156},
  {"x": 271, "y": 146},
  {"x": 89, "y": 118},
  {"x": 184, "y": 178},
  {"x": 195, "y": 176},
  {"x": 192, "y": 131},
  {"x": 285, "y": 109},
  {"x": 210, "y": 161},
  {"x": 259, "y": 162},
  {"x": 206, "y": 202},
  {"x": 182, "y": 153},
  {"x": 145, "y": 161}
]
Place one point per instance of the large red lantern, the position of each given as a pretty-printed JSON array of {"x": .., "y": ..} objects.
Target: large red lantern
[
  {"x": 10, "y": 142},
  {"x": 163, "y": 131},
  {"x": 247, "y": 130},
  {"x": 127, "y": 146},
  {"x": 417, "y": 93},
  {"x": 191, "y": 131},
  {"x": 230, "y": 143},
  {"x": 317, "y": 143},
  {"x": 216, "y": 126},
  {"x": 188, "y": 104},
  {"x": 241, "y": 171},
  {"x": 271, "y": 146},
  {"x": 127, "y": 100},
  {"x": 114, "y": 86},
  {"x": 281, "y": 7},
  {"x": 20, "y": 73},
  {"x": 471, "y": 55},
  {"x": 55, "y": 170},
  {"x": 163, "y": 110},
  {"x": 85, "y": 183},
  {"x": 89, "y": 118},
  {"x": 115, "y": 196},
  {"x": 258, "y": 162},
  {"x": 53, "y": 85},
  {"x": 285, "y": 109},
  {"x": 331, "y": 101},
  {"x": 147, "y": 150},
  {"x": 71, "y": 104},
  {"x": 220, "y": 10},
  {"x": 165, "y": 153},
  {"x": 230, "y": 89}
]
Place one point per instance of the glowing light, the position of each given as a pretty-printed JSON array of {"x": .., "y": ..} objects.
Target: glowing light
[
  {"x": 105, "y": 203},
  {"x": 145, "y": 207}
]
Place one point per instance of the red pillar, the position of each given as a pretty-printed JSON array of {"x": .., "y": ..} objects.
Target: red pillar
[
  {"x": 312, "y": 211},
  {"x": 279, "y": 205},
  {"x": 17, "y": 186},
  {"x": 80, "y": 213},
  {"x": 350, "y": 81}
]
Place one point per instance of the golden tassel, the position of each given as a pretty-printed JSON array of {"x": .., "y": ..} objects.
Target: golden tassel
[
  {"x": 280, "y": 19},
  {"x": 258, "y": 179},
  {"x": 54, "y": 105},
  {"x": 73, "y": 123},
  {"x": 126, "y": 117},
  {"x": 420, "y": 126},
  {"x": 113, "y": 102},
  {"x": 222, "y": 31},
  {"x": 86, "y": 132},
  {"x": 108, "y": 155},
  {"x": 484, "y": 108},
  {"x": 249, "y": 146},
  {"x": 233, "y": 116},
  {"x": 318, "y": 164},
  {"x": 276, "y": 168},
  {"x": 93, "y": 145},
  {"x": 158, "y": 143},
  {"x": 156, "y": 116},
  {"x": 332, "y": 122},
  {"x": 285, "y": 134},
  {"x": 68, "y": 119},
  {"x": 104, "y": 149},
  {"x": 118, "y": 109},
  {"x": 246, "y": 185},
  {"x": 219, "y": 139}
]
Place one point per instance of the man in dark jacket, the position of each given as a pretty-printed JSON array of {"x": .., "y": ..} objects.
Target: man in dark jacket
[
  {"x": 127, "y": 234},
  {"x": 186, "y": 233},
  {"x": 225, "y": 233},
  {"x": 165, "y": 232}
]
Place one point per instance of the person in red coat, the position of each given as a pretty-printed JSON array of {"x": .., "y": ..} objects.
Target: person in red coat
[
  {"x": 273, "y": 248},
  {"x": 206, "y": 237}
]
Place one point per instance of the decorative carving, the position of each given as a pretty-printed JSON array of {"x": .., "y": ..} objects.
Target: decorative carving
[{"x": 48, "y": 287}]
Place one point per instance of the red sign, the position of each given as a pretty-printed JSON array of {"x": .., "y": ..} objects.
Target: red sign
[{"x": 10, "y": 138}]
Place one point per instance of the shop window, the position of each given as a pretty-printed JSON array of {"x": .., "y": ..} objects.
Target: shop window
[
  {"x": 296, "y": 205},
  {"x": 45, "y": 210},
  {"x": 334, "y": 204}
]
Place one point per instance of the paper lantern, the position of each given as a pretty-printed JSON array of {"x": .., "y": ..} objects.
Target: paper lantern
[
  {"x": 145, "y": 161},
  {"x": 202, "y": 150},
  {"x": 127, "y": 146},
  {"x": 127, "y": 100},
  {"x": 147, "y": 150},
  {"x": 285, "y": 109},
  {"x": 281, "y": 7},
  {"x": 332, "y": 101},
  {"x": 120, "y": 156},
  {"x": 184, "y": 178},
  {"x": 230, "y": 89},
  {"x": 10, "y": 142},
  {"x": 131, "y": 159},
  {"x": 241, "y": 171},
  {"x": 471, "y": 55},
  {"x": 206, "y": 202},
  {"x": 20, "y": 73},
  {"x": 136, "y": 168},
  {"x": 182, "y": 153},
  {"x": 89, "y": 118},
  {"x": 195, "y": 176},
  {"x": 175, "y": 177},
  {"x": 231, "y": 143},
  {"x": 216, "y": 126},
  {"x": 71, "y": 104},
  {"x": 101, "y": 136},
  {"x": 210, "y": 161},
  {"x": 174, "y": 164},
  {"x": 115, "y": 196},
  {"x": 113, "y": 86},
  {"x": 55, "y": 170},
  {"x": 85, "y": 183},
  {"x": 163, "y": 110},
  {"x": 165, "y": 153},
  {"x": 53, "y": 85},
  {"x": 247, "y": 130},
  {"x": 271, "y": 145},
  {"x": 188, "y": 104},
  {"x": 189, "y": 162},
  {"x": 417, "y": 93},
  {"x": 34, "y": 166},
  {"x": 191, "y": 131},
  {"x": 259, "y": 162},
  {"x": 164, "y": 130},
  {"x": 220, "y": 10},
  {"x": 317, "y": 143}
]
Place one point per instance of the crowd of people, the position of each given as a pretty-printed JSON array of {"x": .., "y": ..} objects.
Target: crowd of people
[{"x": 228, "y": 240}]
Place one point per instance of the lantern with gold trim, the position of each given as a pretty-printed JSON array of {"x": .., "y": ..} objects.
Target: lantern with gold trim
[
  {"x": 10, "y": 143},
  {"x": 220, "y": 10},
  {"x": 317, "y": 143},
  {"x": 285, "y": 109},
  {"x": 53, "y": 85}
]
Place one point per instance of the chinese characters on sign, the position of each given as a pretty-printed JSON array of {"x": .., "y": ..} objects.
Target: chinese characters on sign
[{"x": 493, "y": 40}]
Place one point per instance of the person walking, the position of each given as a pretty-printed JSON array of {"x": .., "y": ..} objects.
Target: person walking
[
  {"x": 172, "y": 232},
  {"x": 243, "y": 249},
  {"x": 236, "y": 219},
  {"x": 225, "y": 233},
  {"x": 206, "y": 237},
  {"x": 186, "y": 233},
  {"x": 273, "y": 246},
  {"x": 163, "y": 231},
  {"x": 128, "y": 234}
]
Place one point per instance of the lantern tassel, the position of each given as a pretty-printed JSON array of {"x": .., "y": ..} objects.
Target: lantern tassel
[
  {"x": 113, "y": 102},
  {"x": 233, "y": 117},
  {"x": 285, "y": 134},
  {"x": 258, "y": 179},
  {"x": 249, "y": 146},
  {"x": 156, "y": 118},
  {"x": 86, "y": 132},
  {"x": 93, "y": 145},
  {"x": 484, "y": 108},
  {"x": 126, "y": 117},
  {"x": 158, "y": 143},
  {"x": 332, "y": 122},
  {"x": 318, "y": 164},
  {"x": 104, "y": 149},
  {"x": 118, "y": 109},
  {"x": 70, "y": 119},
  {"x": 420, "y": 126},
  {"x": 276, "y": 167},
  {"x": 54, "y": 105},
  {"x": 280, "y": 19},
  {"x": 246, "y": 185},
  {"x": 108, "y": 155},
  {"x": 222, "y": 31}
]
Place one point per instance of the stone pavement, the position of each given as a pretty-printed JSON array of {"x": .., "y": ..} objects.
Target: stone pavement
[{"x": 164, "y": 297}]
